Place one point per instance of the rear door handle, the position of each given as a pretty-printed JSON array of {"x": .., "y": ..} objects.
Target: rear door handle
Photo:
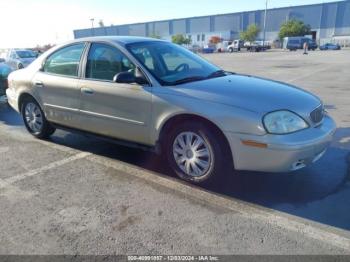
[
  {"x": 87, "y": 91},
  {"x": 39, "y": 83}
]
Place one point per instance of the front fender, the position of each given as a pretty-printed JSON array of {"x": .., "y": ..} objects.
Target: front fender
[{"x": 226, "y": 118}]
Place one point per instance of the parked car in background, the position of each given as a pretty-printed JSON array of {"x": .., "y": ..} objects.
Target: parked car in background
[
  {"x": 266, "y": 44},
  {"x": 3, "y": 56},
  {"x": 312, "y": 45},
  {"x": 160, "y": 96},
  {"x": 208, "y": 49},
  {"x": 20, "y": 58},
  {"x": 295, "y": 43},
  {"x": 255, "y": 46},
  {"x": 235, "y": 46},
  {"x": 223, "y": 46},
  {"x": 330, "y": 46},
  {"x": 5, "y": 70}
]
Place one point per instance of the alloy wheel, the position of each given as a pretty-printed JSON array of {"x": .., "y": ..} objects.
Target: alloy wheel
[{"x": 33, "y": 117}]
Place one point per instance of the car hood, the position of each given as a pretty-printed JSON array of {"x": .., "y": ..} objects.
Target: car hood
[{"x": 252, "y": 93}]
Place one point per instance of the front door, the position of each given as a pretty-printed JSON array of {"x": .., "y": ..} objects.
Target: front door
[{"x": 112, "y": 109}]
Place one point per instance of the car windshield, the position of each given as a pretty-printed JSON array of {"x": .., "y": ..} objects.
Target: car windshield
[
  {"x": 171, "y": 64},
  {"x": 26, "y": 54}
]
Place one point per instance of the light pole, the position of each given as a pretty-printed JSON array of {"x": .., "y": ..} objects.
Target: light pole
[
  {"x": 92, "y": 25},
  {"x": 265, "y": 18}
]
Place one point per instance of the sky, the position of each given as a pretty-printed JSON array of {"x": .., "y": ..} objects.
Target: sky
[{"x": 28, "y": 23}]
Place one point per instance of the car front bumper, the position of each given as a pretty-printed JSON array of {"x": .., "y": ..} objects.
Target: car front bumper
[
  {"x": 12, "y": 98},
  {"x": 282, "y": 153}
]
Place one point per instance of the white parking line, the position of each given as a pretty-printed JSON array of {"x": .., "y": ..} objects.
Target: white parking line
[
  {"x": 10, "y": 180},
  {"x": 307, "y": 228}
]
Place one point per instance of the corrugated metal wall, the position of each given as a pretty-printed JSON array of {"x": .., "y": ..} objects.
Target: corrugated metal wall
[{"x": 328, "y": 19}]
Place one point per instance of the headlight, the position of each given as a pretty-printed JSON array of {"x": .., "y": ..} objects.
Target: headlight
[{"x": 283, "y": 122}]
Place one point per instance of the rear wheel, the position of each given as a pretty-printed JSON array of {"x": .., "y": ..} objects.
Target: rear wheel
[
  {"x": 197, "y": 154},
  {"x": 35, "y": 120}
]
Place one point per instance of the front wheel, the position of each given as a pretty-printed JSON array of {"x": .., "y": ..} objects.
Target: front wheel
[
  {"x": 35, "y": 120},
  {"x": 197, "y": 154}
]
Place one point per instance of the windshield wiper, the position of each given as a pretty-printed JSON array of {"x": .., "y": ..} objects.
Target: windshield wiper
[
  {"x": 218, "y": 73},
  {"x": 187, "y": 80}
]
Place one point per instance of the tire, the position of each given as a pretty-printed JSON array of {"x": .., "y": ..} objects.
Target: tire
[
  {"x": 34, "y": 119},
  {"x": 230, "y": 50},
  {"x": 20, "y": 66},
  {"x": 214, "y": 160}
]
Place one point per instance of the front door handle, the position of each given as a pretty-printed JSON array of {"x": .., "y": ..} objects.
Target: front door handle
[
  {"x": 87, "y": 91},
  {"x": 38, "y": 83}
]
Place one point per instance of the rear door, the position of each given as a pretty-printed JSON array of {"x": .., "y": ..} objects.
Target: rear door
[
  {"x": 112, "y": 109},
  {"x": 57, "y": 85}
]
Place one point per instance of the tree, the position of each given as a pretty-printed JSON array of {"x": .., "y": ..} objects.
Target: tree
[
  {"x": 251, "y": 33},
  {"x": 181, "y": 40},
  {"x": 294, "y": 28},
  {"x": 100, "y": 23},
  {"x": 215, "y": 40}
]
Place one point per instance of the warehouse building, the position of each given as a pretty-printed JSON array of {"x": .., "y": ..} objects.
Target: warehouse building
[{"x": 329, "y": 22}]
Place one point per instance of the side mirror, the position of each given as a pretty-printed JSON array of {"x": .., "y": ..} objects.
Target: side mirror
[
  {"x": 130, "y": 78},
  {"x": 124, "y": 78}
]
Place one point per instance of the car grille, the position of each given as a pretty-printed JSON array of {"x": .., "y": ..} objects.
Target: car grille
[{"x": 317, "y": 115}]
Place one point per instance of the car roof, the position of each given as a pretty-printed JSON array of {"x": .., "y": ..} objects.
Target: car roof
[{"x": 122, "y": 40}]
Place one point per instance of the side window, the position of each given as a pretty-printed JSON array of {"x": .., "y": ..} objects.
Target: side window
[
  {"x": 105, "y": 61},
  {"x": 65, "y": 61},
  {"x": 145, "y": 57}
]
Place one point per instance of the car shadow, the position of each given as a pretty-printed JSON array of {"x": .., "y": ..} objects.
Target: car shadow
[
  {"x": 8, "y": 116},
  {"x": 320, "y": 193}
]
